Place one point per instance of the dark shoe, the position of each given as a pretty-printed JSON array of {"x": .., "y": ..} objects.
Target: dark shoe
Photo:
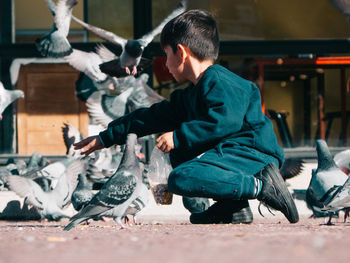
[
  {"x": 225, "y": 212},
  {"x": 274, "y": 193}
]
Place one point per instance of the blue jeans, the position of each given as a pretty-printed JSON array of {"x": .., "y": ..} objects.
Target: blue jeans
[{"x": 224, "y": 172}]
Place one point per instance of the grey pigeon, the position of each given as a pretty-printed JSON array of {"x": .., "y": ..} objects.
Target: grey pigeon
[
  {"x": 82, "y": 194},
  {"x": 340, "y": 200},
  {"x": 342, "y": 159},
  {"x": 343, "y": 6},
  {"x": 50, "y": 205},
  {"x": 132, "y": 50},
  {"x": 7, "y": 97},
  {"x": 55, "y": 43},
  {"x": 118, "y": 192},
  {"x": 325, "y": 180}
]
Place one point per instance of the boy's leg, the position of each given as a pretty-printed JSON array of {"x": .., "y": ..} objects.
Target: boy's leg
[{"x": 195, "y": 204}]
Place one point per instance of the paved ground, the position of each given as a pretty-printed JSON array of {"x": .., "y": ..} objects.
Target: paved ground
[{"x": 266, "y": 240}]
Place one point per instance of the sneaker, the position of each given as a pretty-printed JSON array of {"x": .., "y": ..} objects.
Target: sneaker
[
  {"x": 274, "y": 193},
  {"x": 225, "y": 212}
]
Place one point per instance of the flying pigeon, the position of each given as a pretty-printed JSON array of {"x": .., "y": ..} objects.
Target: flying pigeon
[
  {"x": 71, "y": 135},
  {"x": 50, "y": 204},
  {"x": 118, "y": 192},
  {"x": 340, "y": 200},
  {"x": 55, "y": 43},
  {"x": 343, "y": 6},
  {"x": 325, "y": 180},
  {"x": 132, "y": 50},
  {"x": 82, "y": 194},
  {"x": 7, "y": 97},
  {"x": 342, "y": 159}
]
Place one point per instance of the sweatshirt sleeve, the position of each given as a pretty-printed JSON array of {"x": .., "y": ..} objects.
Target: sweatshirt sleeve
[
  {"x": 225, "y": 103},
  {"x": 160, "y": 117}
]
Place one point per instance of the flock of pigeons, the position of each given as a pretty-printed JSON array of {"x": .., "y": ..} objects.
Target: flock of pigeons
[{"x": 116, "y": 173}]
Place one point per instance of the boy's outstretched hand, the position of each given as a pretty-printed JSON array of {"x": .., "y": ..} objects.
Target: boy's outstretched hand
[
  {"x": 88, "y": 145},
  {"x": 165, "y": 142}
]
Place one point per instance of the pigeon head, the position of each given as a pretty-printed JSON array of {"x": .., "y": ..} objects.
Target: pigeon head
[
  {"x": 324, "y": 157},
  {"x": 134, "y": 48}
]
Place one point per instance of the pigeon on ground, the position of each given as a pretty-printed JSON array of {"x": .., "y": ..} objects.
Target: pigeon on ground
[
  {"x": 325, "y": 180},
  {"x": 7, "y": 97},
  {"x": 343, "y": 6},
  {"x": 82, "y": 194},
  {"x": 55, "y": 43},
  {"x": 50, "y": 205},
  {"x": 342, "y": 159},
  {"x": 132, "y": 50},
  {"x": 340, "y": 200},
  {"x": 118, "y": 192}
]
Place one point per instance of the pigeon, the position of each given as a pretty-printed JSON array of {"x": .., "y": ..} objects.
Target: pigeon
[
  {"x": 343, "y": 6},
  {"x": 342, "y": 159},
  {"x": 7, "y": 97},
  {"x": 132, "y": 50},
  {"x": 325, "y": 180},
  {"x": 55, "y": 43},
  {"x": 88, "y": 63},
  {"x": 340, "y": 200},
  {"x": 50, "y": 204},
  {"x": 82, "y": 194},
  {"x": 103, "y": 108},
  {"x": 118, "y": 192},
  {"x": 71, "y": 135}
]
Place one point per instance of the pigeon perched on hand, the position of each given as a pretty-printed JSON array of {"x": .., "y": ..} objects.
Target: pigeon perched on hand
[
  {"x": 55, "y": 43},
  {"x": 50, "y": 204},
  {"x": 118, "y": 192},
  {"x": 132, "y": 50},
  {"x": 325, "y": 180},
  {"x": 7, "y": 97},
  {"x": 340, "y": 200}
]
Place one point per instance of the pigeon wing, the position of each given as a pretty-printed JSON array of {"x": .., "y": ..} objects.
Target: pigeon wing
[
  {"x": 146, "y": 39},
  {"x": 106, "y": 35},
  {"x": 341, "y": 198},
  {"x": 28, "y": 189},
  {"x": 104, "y": 53},
  {"x": 96, "y": 112},
  {"x": 291, "y": 167}
]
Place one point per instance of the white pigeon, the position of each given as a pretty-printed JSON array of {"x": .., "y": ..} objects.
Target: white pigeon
[
  {"x": 50, "y": 204},
  {"x": 340, "y": 200},
  {"x": 55, "y": 43},
  {"x": 325, "y": 180},
  {"x": 342, "y": 159},
  {"x": 7, "y": 97},
  {"x": 118, "y": 192},
  {"x": 132, "y": 50}
]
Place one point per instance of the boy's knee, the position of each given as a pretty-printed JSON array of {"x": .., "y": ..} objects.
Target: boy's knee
[{"x": 177, "y": 181}]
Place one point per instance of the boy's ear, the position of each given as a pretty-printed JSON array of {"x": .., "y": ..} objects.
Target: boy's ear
[{"x": 183, "y": 51}]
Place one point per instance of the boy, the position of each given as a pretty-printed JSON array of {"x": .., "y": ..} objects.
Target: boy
[{"x": 221, "y": 144}]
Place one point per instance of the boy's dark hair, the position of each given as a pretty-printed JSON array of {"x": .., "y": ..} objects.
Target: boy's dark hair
[{"x": 195, "y": 29}]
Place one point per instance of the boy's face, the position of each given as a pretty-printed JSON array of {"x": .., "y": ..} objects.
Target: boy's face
[{"x": 174, "y": 63}]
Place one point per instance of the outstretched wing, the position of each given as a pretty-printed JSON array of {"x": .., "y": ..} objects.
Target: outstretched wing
[
  {"x": 106, "y": 35},
  {"x": 146, "y": 39},
  {"x": 28, "y": 189}
]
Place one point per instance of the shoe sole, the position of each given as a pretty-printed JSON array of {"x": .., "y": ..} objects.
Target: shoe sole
[
  {"x": 244, "y": 216},
  {"x": 277, "y": 178}
]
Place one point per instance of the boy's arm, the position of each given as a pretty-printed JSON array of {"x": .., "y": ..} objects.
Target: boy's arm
[{"x": 160, "y": 117}]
